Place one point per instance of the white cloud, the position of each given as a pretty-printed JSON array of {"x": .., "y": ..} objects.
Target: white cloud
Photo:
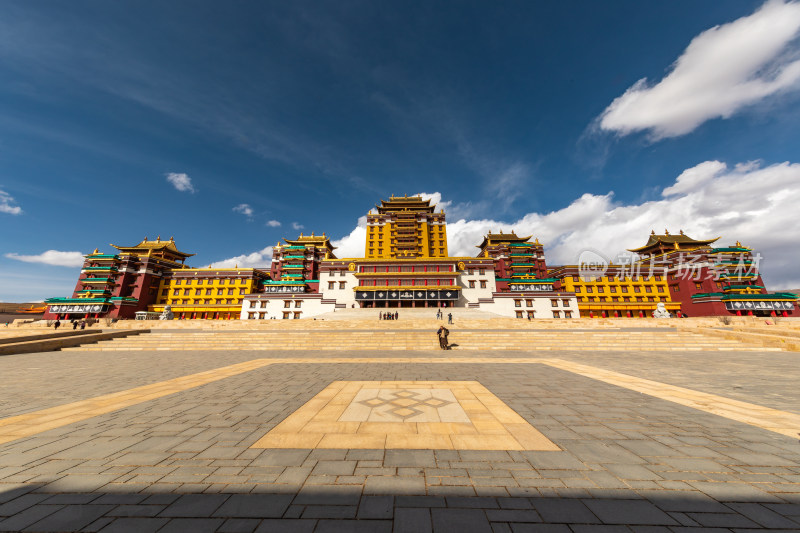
[
  {"x": 244, "y": 209},
  {"x": 695, "y": 178},
  {"x": 260, "y": 259},
  {"x": 6, "y": 204},
  {"x": 723, "y": 69},
  {"x": 273, "y": 223},
  {"x": 750, "y": 203},
  {"x": 352, "y": 245},
  {"x": 181, "y": 182},
  {"x": 51, "y": 257},
  {"x": 296, "y": 226}
]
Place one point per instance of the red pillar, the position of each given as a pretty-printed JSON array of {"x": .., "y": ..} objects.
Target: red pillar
[
  {"x": 738, "y": 313},
  {"x": 591, "y": 314}
]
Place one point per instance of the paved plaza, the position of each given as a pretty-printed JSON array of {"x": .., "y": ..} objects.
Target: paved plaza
[{"x": 501, "y": 441}]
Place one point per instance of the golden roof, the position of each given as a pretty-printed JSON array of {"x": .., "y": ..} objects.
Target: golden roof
[
  {"x": 681, "y": 241},
  {"x": 405, "y": 203},
  {"x": 498, "y": 238},
  {"x": 147, "y": 246}
]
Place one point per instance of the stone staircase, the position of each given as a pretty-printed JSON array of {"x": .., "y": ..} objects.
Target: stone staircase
[{"x": 350, "y": 339}]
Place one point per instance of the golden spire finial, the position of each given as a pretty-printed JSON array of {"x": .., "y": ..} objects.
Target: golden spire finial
[
  {"x": 96, "y": 251},
  {"x": 158, "y": 239},
  {"x": 666, "y": 231},
  {"x": 301, "y": 233},
  {"x": 312, "y": 233},
  {"x": 682, "y": 233},
  {"x": 652, "y": 232},
  {"x": 236, "y": 265},
  {"x": 738, "y": 244}
]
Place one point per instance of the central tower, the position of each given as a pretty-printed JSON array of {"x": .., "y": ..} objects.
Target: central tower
[{"x": 405, "y": 228}]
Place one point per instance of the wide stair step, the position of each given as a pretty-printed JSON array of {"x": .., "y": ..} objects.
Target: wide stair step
[{"x": 354, "y": 340}]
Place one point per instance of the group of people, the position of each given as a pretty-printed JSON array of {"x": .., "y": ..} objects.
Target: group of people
[
  {"x": 440, "y": 316},
  {"x": 389, "y": 316},
  {"x": 75, "y": 324}
]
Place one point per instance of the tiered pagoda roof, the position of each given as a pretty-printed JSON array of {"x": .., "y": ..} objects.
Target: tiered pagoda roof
[
  {"x": 405, "y": 203},
  {"x": 167, "y": 249},
  {"x": 667, "y": 242},
  {"x": 320, "y": 241},
  {"x": 503, "y": 238}
]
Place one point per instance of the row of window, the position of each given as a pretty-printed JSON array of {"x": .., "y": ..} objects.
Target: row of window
[
  {"x": 580, "y": 279},
  {"x": 413, "y": 282},
  {"x": 263, "y": 316},
  {"x": 210, "y": 281},
  {"x": 332, "y": 284},
  {"x": 618, "y": 299},
  {"x": 622, "y": 288},
  {"x": 414, "y": 268},
  {"x": 401, "y": 246},
  {"x": 199, "y": 292},
  {"x": 202, "y": 301},
  {"x": 472, "y": 284},
  {"x": 530, "y": 314},
  {"x": 553, "y": 303}
]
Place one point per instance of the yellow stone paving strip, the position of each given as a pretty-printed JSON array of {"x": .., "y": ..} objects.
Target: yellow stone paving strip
[
  {"x": 17, "y": 427},
  {"x": 755, "y": 415}
]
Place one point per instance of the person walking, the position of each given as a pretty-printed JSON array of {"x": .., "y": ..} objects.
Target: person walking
[
  {"x": 445, "y": 333},
  {"x": 449, "y": 318},
  {"x": 380, "y": 315},
  {"x": 440, "y": 334},
  {"x": 57, "y": 324},
  {"x": 83, "y": 324},
  {"x": 74, "y": 324}
]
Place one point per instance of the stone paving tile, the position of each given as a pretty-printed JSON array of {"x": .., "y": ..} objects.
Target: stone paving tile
[
  {"x": 71, "y": 518},
  {"x": 460, "y": 521},
  {"x": 626, "y": 458},
  {"x": 135, "y": 525}
]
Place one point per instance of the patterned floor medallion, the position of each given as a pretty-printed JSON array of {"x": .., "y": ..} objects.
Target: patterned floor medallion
[{"x": 451, "y": 415}]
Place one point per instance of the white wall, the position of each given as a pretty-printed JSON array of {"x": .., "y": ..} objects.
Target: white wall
[
  {"x": 346, "y": 295},
  {"x": 472, "y": 295},
  {"x": 273, "y": 306},
  {"x": 541, "y": 305}
]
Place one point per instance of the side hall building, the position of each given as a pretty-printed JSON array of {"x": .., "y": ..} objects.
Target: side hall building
[{"x": 406, "y": 265}]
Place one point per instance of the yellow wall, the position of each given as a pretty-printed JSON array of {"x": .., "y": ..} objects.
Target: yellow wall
[
  {"x": 380, "y": 244},
  {"x": 597, "y": 295},
  {"x": 209, "y": 301}
]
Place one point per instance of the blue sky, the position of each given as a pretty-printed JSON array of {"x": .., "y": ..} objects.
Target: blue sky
[{"x": 232, "y": 125}]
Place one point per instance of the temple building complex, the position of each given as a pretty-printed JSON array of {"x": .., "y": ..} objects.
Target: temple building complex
[{"x": 406, "y": 264}]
